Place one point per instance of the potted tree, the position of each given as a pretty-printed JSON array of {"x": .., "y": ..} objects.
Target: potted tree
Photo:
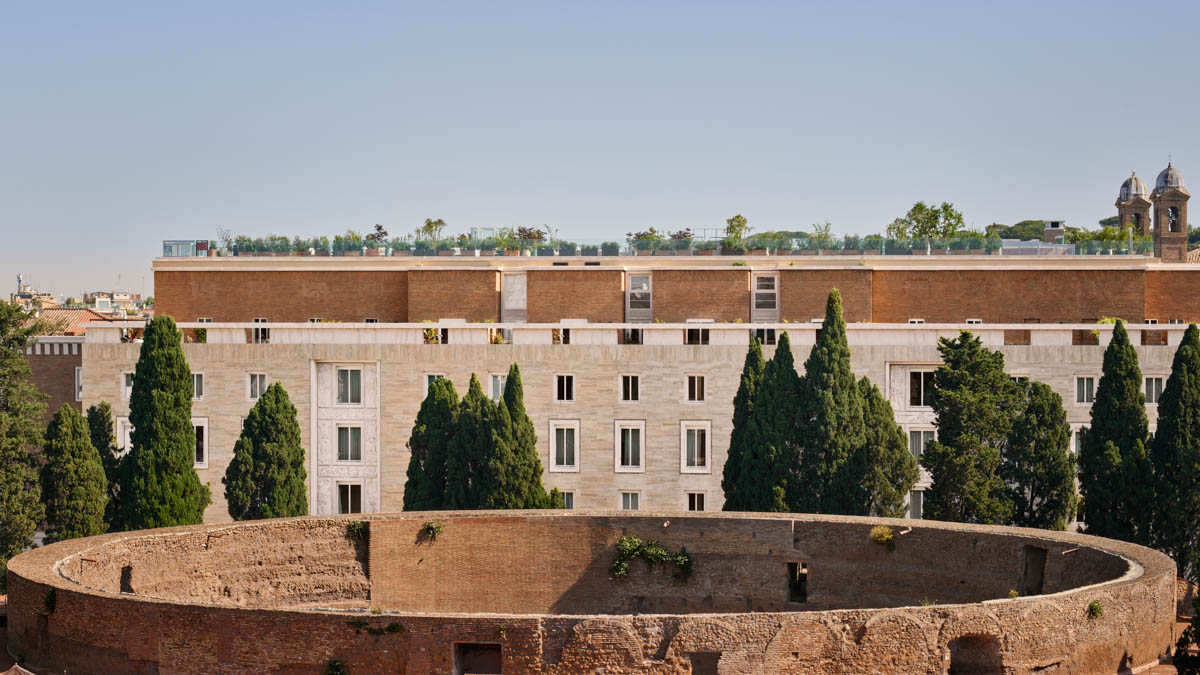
[
  {"x": 938, "y": 246},
  {"x": 488, "y": 246},
  {"x": 851, "y": 245},
  {"x": 975, "y": 245},
  {"x": 681, "y": 241},
  {"x": 568, "y": 248},
  {"x": 757, "y": 246},
  {"x": 400, "y": 246},
  {"x": 424, "y": 247},
  {"x": 300, "y": 246},
  {"x": 589, "y": 249},
  {"x": 706, "y": 247},
  {"x": 958, "y": 246},
  {"x": 733, "y": 246},
  {"x": 371, "y": 247},
  {"x": 872, "y": 244},
  {"x": 530, "y": 237},
  {"x": 644, "y": 243},
  {"x": 807, "y": 246},
  {"x": 610, "y": 248},
  {"x": 445, "y": 247}
]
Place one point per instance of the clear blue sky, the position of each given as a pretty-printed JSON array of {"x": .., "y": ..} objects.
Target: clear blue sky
[{"x": 126, "y": 123}]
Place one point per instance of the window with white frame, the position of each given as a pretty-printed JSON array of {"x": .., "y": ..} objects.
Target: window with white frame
[
  {"x": 564, "y": 445},
  {"x": 262, "y": 335},
  {"x": 200, "y": 427},
  {"x": 78, "y": 383},
  {"x": 498, "y": 383},
  {"x": 1085, "y": 389},
  {"x": 349, "y": 446},
  {"x": 627, "y": 446},
  {"x": 918, "y": 439},
  {"x": 349, "y": 497},
  {"x": 639, "y": 291},
  {"x": 564, "y": 388},
  {"x": 256, "y": 385},
  {"x": 629, "y": 501},
  {"x": 349, "y": 386},
  {"x": 124, "y": 434},
  {"x": 126, "y": 386},
  {"x": 766, "y": 291},
  {"x": 693, "y": 446},
  {"x": 920, "y": 388},
  {"x": 695, "y": 336},
  {"x": 1154, "y": 387},
  {"x": 695, "y": 388},
  {"x": 765, "y": 336},
  {"x": 429, "y": 378},
  {"x": 695, "y": 501},
  {"x": 568, "y": 499},
  {"x": 630, "y": 385},
  {"x": 197, "y": 386}
]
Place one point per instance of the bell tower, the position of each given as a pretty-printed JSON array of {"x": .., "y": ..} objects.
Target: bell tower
[
  {"x": 1170, "y": 200},
  {"x": 1133, "y": 206}
]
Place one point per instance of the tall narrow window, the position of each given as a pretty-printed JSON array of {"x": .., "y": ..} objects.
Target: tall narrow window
[
  {"x": 1173, "y": 218},
  {"x": 349, "y": 383},
  {"x": 78, "y": 383},
  {"x": 429, "y": 378},
  {"x": 262, "y": 335},
  {"x": 1085, "y": 389},
  {"x": 629, "y": 388},
  {"x": 256, "y": 386},
  {"x": 564, "y": 452},
  {"x": 695, "y": 501},
  {"x": 1154, "y": 386},
  {"x": 126, "y": 386},
  {"x": 694, "y": 450},
  {"x": 920, "y": 388},
  {"x": 629, "y": 446},
  {"x": 917, "y": 440},
  {"x": 564, "y": 388},
  {"x": 349, "y": 498},
  {"x": 200, "y": 429},
  {"x": 197, "y": 386},
  {"x": 765, "y": 292},
  {"x": 349, "y": 444},
  {"x": 568, "y": 499},
  {"x": 916, "y": 504},
  {"x": 639, "y": 291},
  {"x": 695, "y": 388},
  {"x": 498, "y": 382}
]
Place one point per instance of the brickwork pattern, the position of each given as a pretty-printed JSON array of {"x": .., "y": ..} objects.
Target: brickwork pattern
[
  {"x": 803, "y": 293},
  {"x": 721, "y": 295},
  {"x": 473, "y": 295},
  {"x": 597, "y": 296},
  {"x": 54, "y": 375}
]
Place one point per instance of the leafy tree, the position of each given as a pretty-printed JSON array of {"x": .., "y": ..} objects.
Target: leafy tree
[
  {"x": 1115, "y": 472},
  {"x": 22, "y": 408},
  {"x": 923, "y": 220},
  {"x": 521, "y": 475},
  {"x": 732, "y": 484},
  {"x": 1037, "y": 464},
  {"x": 1111, "y": 221},
  {"x": 974, "y": 402},
  {"x": 73, "y": 484},
  {"x": 266, "y": 477},
  {"x": 830, "y": 424},
  {"x": 1175, "y": 454},
  {"x": 100, "y": 428},
  {"x": 160, "y": 485},
  {"x": 429, "y": 445},
  {"x": 769, "y": 460},
  {"x": 1025, "y": 230},
  {"x": 886, "y": 468},
  {"x": 736, "y": 228}
]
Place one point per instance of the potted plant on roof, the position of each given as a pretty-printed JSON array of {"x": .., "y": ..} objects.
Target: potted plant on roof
[
  {"x": 733, "y": 246},
  {"x": 975, "y": 245},
  {"x": 757, "y": 246},
  {"x": 506, "y": 242},
  {"x": 354, "y": 242},
  {"x": 376, "y": 240},
  {"x": 610, "y": 248},
  {"x": 445, "y": 247},
  {"x": 487, "y": 247},
  {"x": 807, "y": 246},
  {"x": 992, "y": 245},
  {"x": 872, "y": 244},
  {"x": 567, "y": 247},
  {"x": 589, "y": 249},
  {"x": 706, "y": 247},
  {"x": 851, "y": 245},
  {"x": 681, "y": 241},
  {"x": 643, "y": 243},
  {"x": 400, "y": 246},
  {"x": 530, "y": 238},
  {"x": 300, "y": 246},
  {"x": 958, "y": 245},
  {"x": 339, "y": 245}
]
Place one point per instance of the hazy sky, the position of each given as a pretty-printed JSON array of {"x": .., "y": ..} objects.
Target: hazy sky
[{"x": 124, "y": 123}]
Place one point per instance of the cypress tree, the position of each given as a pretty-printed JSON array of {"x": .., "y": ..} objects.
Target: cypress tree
[
  {"x": 886, "y": 468},
  {"x": 266, "y": 477},
  {"x": 428, "y": 445},
  {"x": 471, "y": 467},
  {"x": 743, "y": 404},
  {"x": 22, "y": 408},
  {"x": 522, "y": 470},
  {"x": 100, "y": 428},
  {"x": 1115, "y": 473},
  {"x": 974, "y": 402},
  {"x": 73, "y": 484},
  {"x": 768, "y": 459},
  {"x": 1175, "y": 454},
  {"x": 830, "y": 428},
  {"x": 1037, "y": 464},
  {"x": 160, "y": 484}
]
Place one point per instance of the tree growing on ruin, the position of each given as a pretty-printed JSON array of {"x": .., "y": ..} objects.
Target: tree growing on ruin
[
  {"x": 1175, "y": 455},
  {"x": 1115, "y": 473},
  {"x": 22, "y": 408},
  {"x": 100, "y": 430},
  {"x": 160, "y": 486},
  {"x": 733, "y": 483},
  {"x": 974, "y": 402},
  {"x": 73, "y": 483},
  {"x": 1037, "y": 463},
  {"x": 266, "y": 477},
  {"x": 883, "y": 467},
  {"x": 428, "y": 445}
]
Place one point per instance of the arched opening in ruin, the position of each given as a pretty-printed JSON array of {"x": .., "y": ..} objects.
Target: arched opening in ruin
[{"x": 976, "y": 654}]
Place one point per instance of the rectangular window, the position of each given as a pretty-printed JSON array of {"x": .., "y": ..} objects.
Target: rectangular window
[
  {"x": 765, "y": 292},
  {"x": 974, "y": 322},
  {"x": 564, "y": 449},
  {"x": 429, "y": 378},
  {"x": 498, "y": 383},
  {"x": 1154, "y": 387},
  {"x": 629, "y": 446},
  {"x": 695, "y": 501},
  {"x": 629, "y": 388},
  {"x": 256, "y": 385},
  {"x": 204, "y": 319},
  {"x": 197, "y": 386},
  {"x": 694, "y": 447},
  {"x": 695, "y": 388},
  {"x": 920, "y": 388},
  {"x": 349, "y": 498},
  {"x": 916, "y": 321},
  {"x": 1085, "y": 389},
  {"x": 262, "y": 335},
  {"x": 315, "y": 319},
  {"x": 629, "y": 501},
  {"x": 568, "y": 500},
  {"x": 1076, "y": 441},
  {"x": 918, "y": 439},
  {"x": 765, "y": 336},
  {"x": 631, "y": 336},
  {"x": 639, "y": 292},
  {"x": 349, "y": 383},
  {"x": 124, "y": 434},
  {"x": 564, "y": 388},
  {"x": 349, "y": 444},
  {"x": 916, "y": 504},
  {"x": 371, "y": 320},
  {"x": 126, "y": 386},
  {"x": 695, "y": 336},
  {"x": 200, "y": 427},
  {"x": 78, "y": 383},
  {"x": 560, "y": 336}
]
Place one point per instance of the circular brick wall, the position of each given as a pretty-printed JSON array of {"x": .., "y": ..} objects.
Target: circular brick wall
[{"x": 533, "y": 592}]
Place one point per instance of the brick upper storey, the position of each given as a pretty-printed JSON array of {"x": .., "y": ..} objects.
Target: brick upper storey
[{"x": 879, "y": 289}]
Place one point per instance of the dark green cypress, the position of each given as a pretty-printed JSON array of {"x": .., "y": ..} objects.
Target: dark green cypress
[
  {"x": 73, "y": 484},
  {"x": 428, "y": 445},
  {"x": 743, "y": 404},
  {"x": 266, "y": 478},
  {"x": 1175, "y": 454},
  {"x": 1115, "y": 472},
  {"x": 884, "y": 467},
  {"x": 975, "y": 402},
  {"x": 522, "y": 472},
  {"x": 471, "y": 472},
  {"x": 829, "y": 431},
  {"x": 768, "y": 457},
  {"x": 1037, "y": 464},
  {"x": 100, "y": 428},
  {"x": 160, "y": 485}
]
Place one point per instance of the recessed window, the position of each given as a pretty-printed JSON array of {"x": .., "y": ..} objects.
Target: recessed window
[
  {"x": 564, "y": 388},
  {"x": 693, "y": 451},
  {"x": 261, "y": 335},
  {"x": 349, "y": 497},
  {"x": 204, "y": 319},
  {"x": 315, "y": 319},
  {"x": 78, "y": 383},
  {"x": 695, "y": 388},
  {"x": 349, "y": 444},
  {"x": 765, "y": 292},
  {"x": 974, "y": 322},
  {"x": 126, "y": 386},
  {"x": 920, "y": 388},
  {"x": 371, "y": 320},
  {"x": 916, "y": 504},
  {"x": 1154, "y": 387},
  {"x": 564, "y": 445},
  {"x": 695, "y": 336},
  {"x": 349, "y": 386},
  {"x": 639, "y": 291},
  {"x": 1176, "y": 321},
  {"x": 498, "y": 383},
  {"x": 918, "y": 439},
  {"x": 629, "y": 388},
  {"x": 631, "y": 336},
  {"x": 1076, "y": 441},
  {"x": 197, "y": 386},
  {"x": 124, "y": 434},
  {"x": 1085, "y": 389},
  {"x": 765, "y": 336},
  {"x": 568, "y": 499},
  {"x": 200, "y": 427},
  {"x": 695, "y": 501},
  {"x": 429, "y": 378},
  {"x": 916, "y": 320},
  {"x": 628, "y": 445},
  {"x": 629, "y": 501},
  {"x": 256, "y": 385},
  {"x": 560, "y": 336}
]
